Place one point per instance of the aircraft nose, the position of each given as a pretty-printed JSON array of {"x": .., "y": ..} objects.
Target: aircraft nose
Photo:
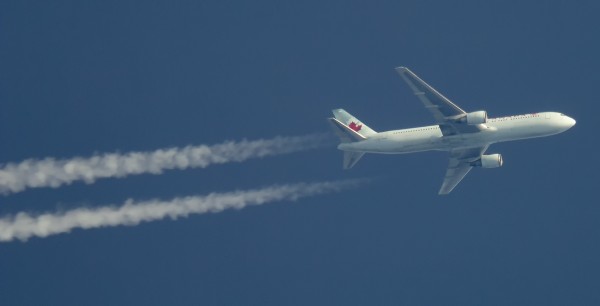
[
  {"x": 571, "y": 122},
  {"x": 567, "y": 122}
]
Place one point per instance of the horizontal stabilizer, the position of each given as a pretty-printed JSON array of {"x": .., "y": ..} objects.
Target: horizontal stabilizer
[
  {"x": 345, "y": 133},
  {"x": 351, "y": 158}
]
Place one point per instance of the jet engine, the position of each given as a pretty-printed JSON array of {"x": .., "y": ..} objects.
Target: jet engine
[
  {"x": 488, "y": 161},
  {"x": 473, "y": 118}
]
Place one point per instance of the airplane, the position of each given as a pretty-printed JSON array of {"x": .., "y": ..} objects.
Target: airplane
[{"x": 466, "y": 136}]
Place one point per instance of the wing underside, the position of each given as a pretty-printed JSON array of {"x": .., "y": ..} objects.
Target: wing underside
[
  {"x": 443, "y": 110},
  {"x": 459, "y": 165},
  {"x": 449, "y": 118}
]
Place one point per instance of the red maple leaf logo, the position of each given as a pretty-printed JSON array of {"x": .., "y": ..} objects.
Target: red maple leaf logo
[{"x": 354, "y": 126}]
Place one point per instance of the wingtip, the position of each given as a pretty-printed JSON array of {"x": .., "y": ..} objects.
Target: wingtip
[
  {"x": 402, "y": 71},
  {"x": 444, "y": 191}
]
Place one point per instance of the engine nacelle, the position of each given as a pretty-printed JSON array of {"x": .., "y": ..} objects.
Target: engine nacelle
[
  {"x": 473, "y": 118},
  {"x": 489, "y": 161}
]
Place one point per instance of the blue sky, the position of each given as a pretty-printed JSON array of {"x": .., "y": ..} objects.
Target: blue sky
[{"x": 78, "y": 78}]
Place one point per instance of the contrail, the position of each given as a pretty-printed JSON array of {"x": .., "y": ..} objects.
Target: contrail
[
  {"x": 50, "y": 172},
  {"x": 23, "y": 226}
]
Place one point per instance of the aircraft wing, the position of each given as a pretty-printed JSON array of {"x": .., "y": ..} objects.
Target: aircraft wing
[
  {"x": 443, "y": 110},
  {"x": 459, "y": 166}
]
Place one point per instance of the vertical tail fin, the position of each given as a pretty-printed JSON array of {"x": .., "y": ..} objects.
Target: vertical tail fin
[
  {"x": 349, "y": 129},
  {"x": 353, "y": 123},
  {"x": 345, "y": 133}
]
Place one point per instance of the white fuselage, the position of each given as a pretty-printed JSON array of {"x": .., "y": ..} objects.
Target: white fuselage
[{"x": 429, "y": 138}]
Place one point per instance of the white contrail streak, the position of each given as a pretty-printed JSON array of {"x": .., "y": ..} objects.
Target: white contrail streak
[
  {"x": 23, "y": 226},
  {"x": 50, "y": 172}
]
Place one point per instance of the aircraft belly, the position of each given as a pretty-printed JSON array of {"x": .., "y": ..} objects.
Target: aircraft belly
[
  {"x": 398, "y": 146},
  {"x": 468, "y": 140}
]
